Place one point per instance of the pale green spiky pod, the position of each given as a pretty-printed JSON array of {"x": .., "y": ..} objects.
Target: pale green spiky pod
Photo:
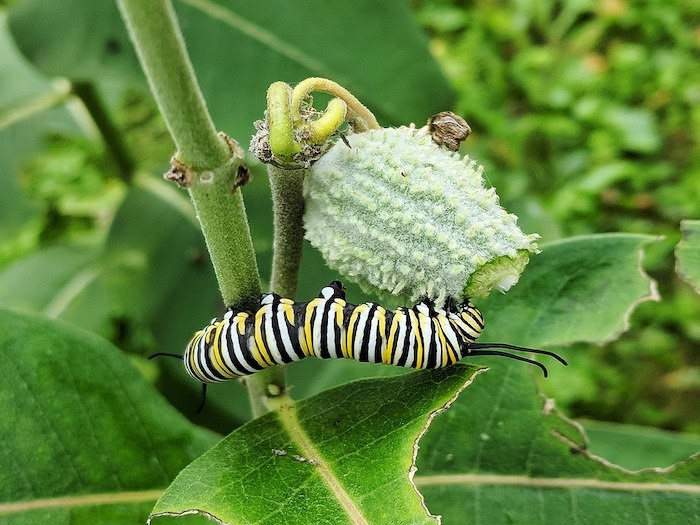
[{"x": 397, "y": 213}]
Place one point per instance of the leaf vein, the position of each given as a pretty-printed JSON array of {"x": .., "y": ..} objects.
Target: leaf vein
[
  {"x": 83, "y": 500},
  {"x": 254, "y": 31},
  {"x": 560, "y": 483}
]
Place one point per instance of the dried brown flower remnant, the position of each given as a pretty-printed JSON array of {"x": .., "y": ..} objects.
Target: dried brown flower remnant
[{"x": 448, "y": 129}]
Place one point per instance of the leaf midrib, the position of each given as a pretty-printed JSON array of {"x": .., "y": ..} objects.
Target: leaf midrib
[{"x": 288, "y": 418}]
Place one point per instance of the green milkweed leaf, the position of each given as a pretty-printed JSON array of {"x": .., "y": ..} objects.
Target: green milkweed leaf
[
  {"x": 239, "y": 48},
  {"x": 69, "y": 290},
  {"x": 28, "y": 110},
  {"x": 502, "y": 454},
  {"x": 581, "y": 289},
  {"x": 85, "y": 438},
  {"x": 688, "y": 254},
  {"x": 644, "y": 446},
  {"x": 344, "y": 456}
]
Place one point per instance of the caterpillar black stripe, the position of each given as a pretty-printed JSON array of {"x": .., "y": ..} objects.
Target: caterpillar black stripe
[{"x": 282, "y": 330}]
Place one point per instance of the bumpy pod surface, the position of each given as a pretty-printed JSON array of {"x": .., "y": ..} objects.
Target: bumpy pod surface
[{"x": 397, "y": 213}]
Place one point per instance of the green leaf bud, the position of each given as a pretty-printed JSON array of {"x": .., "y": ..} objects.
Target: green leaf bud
[{"x": 397, "y": 213}]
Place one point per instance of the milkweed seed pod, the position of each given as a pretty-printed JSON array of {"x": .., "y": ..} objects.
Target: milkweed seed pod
[{"x": 398, "y": 214}]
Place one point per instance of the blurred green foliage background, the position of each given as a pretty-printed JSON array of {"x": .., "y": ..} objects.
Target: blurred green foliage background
[{"x": 585, "y": 113}]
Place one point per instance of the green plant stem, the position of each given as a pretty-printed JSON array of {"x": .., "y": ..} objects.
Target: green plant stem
[
  {"x": 154, "y": 29},
  {"x": 222, "y": 217},
  {"x": 288, "y": 204},
  {"x": 88, "y": 95},
  {"x": 210, "y": 162}
]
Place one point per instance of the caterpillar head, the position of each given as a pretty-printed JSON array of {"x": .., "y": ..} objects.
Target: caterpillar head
[{"x": 470, "y": 321}]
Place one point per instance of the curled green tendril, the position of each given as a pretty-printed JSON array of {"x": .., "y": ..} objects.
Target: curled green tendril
[
  {"x": 281, "y": 124},
  {"x": 361, "y": 117},
  {"x": 328, "y": 123}
]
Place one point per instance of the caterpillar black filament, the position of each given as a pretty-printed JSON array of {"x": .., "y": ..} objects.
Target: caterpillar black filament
[{"x": 282, "y": 330}]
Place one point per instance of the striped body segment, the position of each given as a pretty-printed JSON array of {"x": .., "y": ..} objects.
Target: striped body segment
[{"x": 282, "y": 331}]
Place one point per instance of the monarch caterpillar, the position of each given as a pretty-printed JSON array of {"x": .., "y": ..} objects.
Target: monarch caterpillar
[{"x": 282, "y": 330}]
